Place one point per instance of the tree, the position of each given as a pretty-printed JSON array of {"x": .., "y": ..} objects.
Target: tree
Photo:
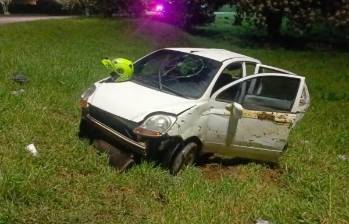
[
  {"x": 336, "y": 12},
  {"x": 301, "y": 15},
  {"x": 86, "y": 5},
  {"x": 183, "y": 13},
  {"x": 124, "y": 7},
  {"x": 188, "y": 13},
  {"x": 4, "y": 4}
]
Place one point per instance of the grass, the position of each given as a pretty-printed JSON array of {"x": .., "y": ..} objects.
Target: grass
[{"x": 70, "y": 183}]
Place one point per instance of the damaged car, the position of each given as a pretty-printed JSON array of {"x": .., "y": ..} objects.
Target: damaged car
[{"x": 181, "y": 103}]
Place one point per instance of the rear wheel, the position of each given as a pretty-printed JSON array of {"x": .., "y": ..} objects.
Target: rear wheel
[{"x": 184, "y": 157}]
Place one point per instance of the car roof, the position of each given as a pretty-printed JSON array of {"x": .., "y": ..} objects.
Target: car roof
[{"x": 215, "y": 54}]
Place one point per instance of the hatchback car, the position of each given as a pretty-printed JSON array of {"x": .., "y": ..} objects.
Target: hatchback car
[{"x": 184, "y": 102}]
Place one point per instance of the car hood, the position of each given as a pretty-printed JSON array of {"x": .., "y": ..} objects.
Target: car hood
[{"x": 134, "y": 102}]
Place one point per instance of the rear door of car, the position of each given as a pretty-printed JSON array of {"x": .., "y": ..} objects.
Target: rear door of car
[{"x": 260, "y": 68}]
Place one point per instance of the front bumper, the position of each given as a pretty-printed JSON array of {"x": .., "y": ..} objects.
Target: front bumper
[{"x": 102, "y": 129}]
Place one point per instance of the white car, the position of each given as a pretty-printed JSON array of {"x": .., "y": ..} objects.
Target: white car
[{"x": 186, "y": 102}]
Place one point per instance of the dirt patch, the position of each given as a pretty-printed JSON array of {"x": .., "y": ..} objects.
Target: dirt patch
[
  {"x": 216, "y": 172},
  {"x": 271, "y": 176},
  {"x": 218, "y": 169}
]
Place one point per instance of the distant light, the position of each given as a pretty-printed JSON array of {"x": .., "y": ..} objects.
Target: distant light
[{"x": 159, "y": 8}]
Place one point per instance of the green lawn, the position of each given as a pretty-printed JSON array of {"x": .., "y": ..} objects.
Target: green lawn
[{"x": 70, "y": 183}]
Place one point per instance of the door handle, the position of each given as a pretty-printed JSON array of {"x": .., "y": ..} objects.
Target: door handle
[{"x": 229, "y": 107}]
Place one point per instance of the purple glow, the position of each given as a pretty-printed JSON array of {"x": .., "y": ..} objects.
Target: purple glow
[{"x": 159, "y": 8}]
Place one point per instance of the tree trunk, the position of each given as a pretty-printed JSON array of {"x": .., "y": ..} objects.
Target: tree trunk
[
  {"x": 5, "y": 9},
  {"x": 274, "y": 22},
  {"x": 107, "y": 8},
  {"x": 238, "y": 20},
  {"x": 87, "y": 11}
]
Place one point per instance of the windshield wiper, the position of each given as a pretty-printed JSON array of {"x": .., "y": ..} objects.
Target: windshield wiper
[
  {"x": 173, "y": 91},
  {"x": 143, "y": 80},
  {"x": 159, "y": 76},
  {"x": 164, "y": 88}
]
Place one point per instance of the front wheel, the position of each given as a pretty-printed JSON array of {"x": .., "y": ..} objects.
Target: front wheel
[{"x": 184, "y": 157}]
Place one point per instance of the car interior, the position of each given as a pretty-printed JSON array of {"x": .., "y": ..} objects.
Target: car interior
[
  {"x": 231, "y": 73},
  {"x": 268, "y": 93}
]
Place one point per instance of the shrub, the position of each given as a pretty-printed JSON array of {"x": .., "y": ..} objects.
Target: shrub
[
  {"x": 123, "y": 7},
  {"x": 188, "y": 13},
  {"x": 85, "y": 5},
  {"x": 300, "y": 14}
]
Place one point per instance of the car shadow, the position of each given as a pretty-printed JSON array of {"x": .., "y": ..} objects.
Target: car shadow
[{"x": 226, "y": 163}]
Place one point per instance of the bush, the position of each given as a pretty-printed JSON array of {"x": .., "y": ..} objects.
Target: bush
[
  {"x": 300, "y": 14},
  {"x": 123, "y": 7},
  {"x": 183, "y": 13},
  {"x": 188, "y": 13},
  {"x": 49, "y": 7},
  {"x": 86, "y": 6}
]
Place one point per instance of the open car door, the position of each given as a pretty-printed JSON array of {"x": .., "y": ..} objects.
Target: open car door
[
  {"x": 252, "y": 117},
  {"x": 260, "y": 68}
]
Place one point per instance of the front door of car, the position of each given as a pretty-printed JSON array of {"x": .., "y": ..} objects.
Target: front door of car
[{"x": 252, "y": 117}]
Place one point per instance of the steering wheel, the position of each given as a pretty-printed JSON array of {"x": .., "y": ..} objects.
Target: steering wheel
[
  {"x": 192, "y": 71},
  {"x": 169, "y": 68}
]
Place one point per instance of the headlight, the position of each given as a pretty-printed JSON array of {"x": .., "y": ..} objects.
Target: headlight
[
  {"x": 84, "y": 97},
  {"x": 155, "y": 126}
]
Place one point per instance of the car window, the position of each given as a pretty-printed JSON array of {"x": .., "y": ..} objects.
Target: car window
[
  {"x": 270, "y": 69},
  {"x": 250, "y": 68},
  {"x": 234, "y": 70},
  {"x": 234, "y": 93},
  {"x": 231, "y": 73},
  {"x": 175, "y": 72},
  {"x": 265, "y": 93}
]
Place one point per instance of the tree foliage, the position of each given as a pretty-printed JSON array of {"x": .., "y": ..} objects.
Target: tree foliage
[
  {"x": 301, "y": 15},
  {"x": 85, "y": 5},
  {"x": 188, "y": 13},
  {"x": 336, "y": 12},
  {"x": 124, "y": 7},
  {"x": 183, "y": 13}
]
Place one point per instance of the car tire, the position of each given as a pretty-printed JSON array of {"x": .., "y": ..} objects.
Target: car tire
[{"x": 184, "y": 157}]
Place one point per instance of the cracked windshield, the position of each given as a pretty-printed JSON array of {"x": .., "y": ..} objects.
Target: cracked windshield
[{"x": 177, "y": 73}]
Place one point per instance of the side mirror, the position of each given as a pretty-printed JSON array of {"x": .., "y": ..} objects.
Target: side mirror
[{"x": 235, "y": 108}]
